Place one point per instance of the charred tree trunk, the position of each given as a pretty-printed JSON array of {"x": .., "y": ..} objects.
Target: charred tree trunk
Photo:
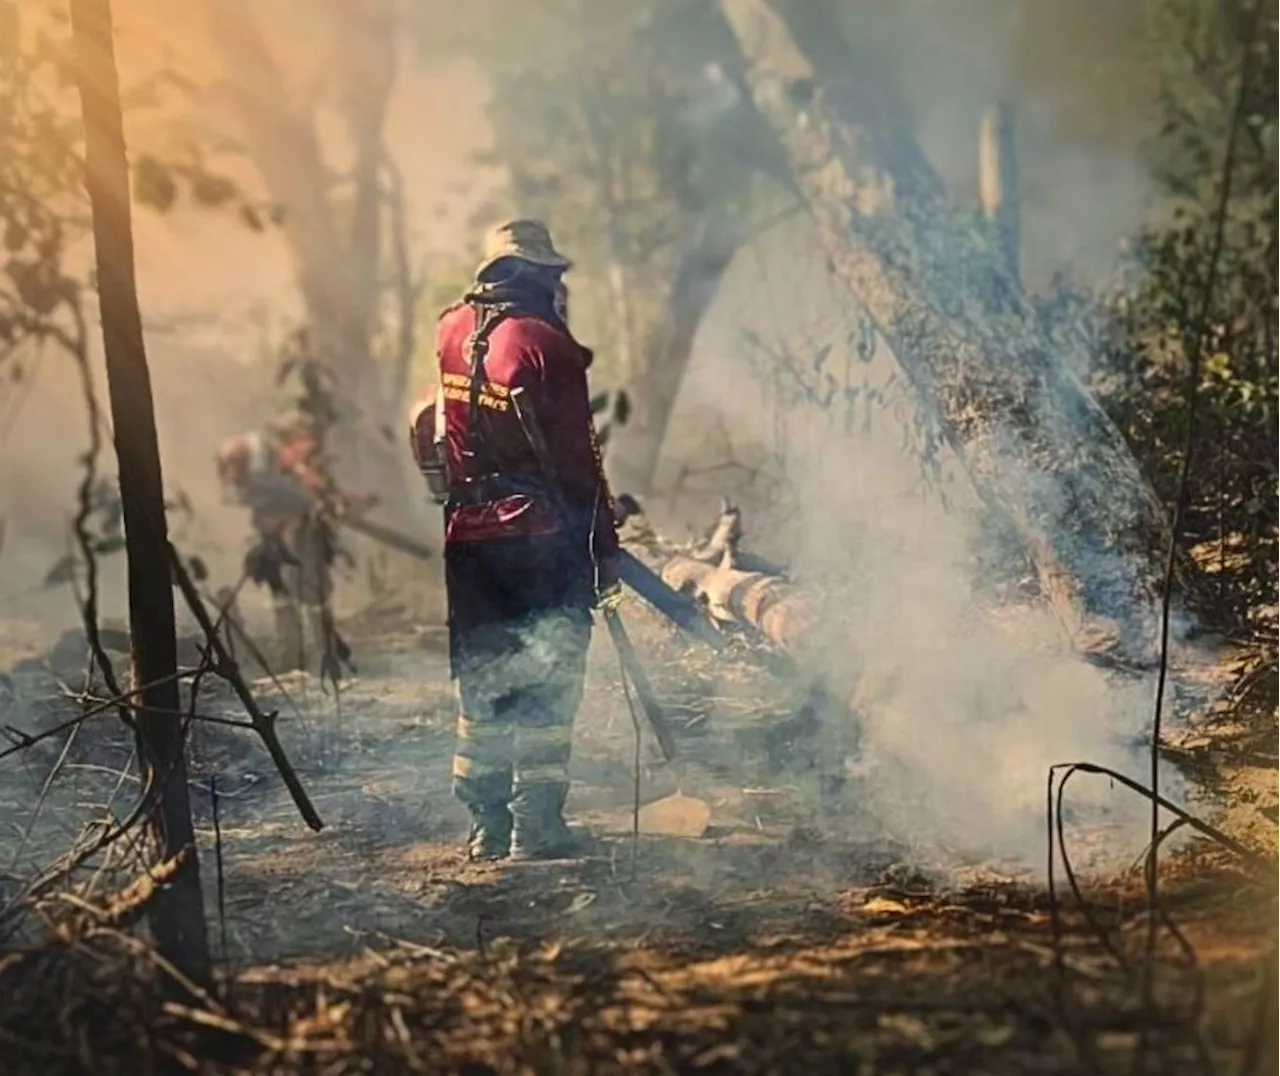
[
  {"x": 1035, "y": 444},
  {"x": 338, "y": 264},
  {"x": 177, "y": 913}
]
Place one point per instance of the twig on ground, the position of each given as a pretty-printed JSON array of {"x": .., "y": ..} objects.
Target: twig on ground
[
  {"x": 217, "y": 859},
  {"x": 226, "y": 667},
  {"x": 43, "y": 796},
  {"x": 24, "y": 740},
  {"x": 1057, "y": 850}
]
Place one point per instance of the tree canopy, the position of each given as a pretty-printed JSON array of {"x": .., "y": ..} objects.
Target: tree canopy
[{"x": 41, "y": 177}]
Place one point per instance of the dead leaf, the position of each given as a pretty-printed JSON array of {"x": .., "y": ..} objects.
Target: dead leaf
[
  {"x": 999, "y": 1035},
  {"x": 911, "y": 1028},
  {"x": 676, "y": 815},
  {"x": 882, "y": 906},
  {"x": 582, "y": 900}
]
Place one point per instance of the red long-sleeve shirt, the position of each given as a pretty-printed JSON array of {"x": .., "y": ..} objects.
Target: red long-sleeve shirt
[{"x": 550, "y": 366}]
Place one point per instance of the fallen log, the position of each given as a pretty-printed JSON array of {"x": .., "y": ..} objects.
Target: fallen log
[
  {"x": 1036, "y": 446},
  {"x": 747, "y": 595},
  {"x": 736, "y": 589}
]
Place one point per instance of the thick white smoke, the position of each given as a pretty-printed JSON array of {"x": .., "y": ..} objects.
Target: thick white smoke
[{"x": 964, "y": 694}]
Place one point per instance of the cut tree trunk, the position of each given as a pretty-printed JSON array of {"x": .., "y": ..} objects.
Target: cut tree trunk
[
  {"x": 176, "y": 915},
  {"x": 998, "y": 183},
  {"x": 736, "y": 588},
  {"x": 1035, "y": 444}
]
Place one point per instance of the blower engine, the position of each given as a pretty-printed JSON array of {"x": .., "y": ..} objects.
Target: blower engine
[{"x": 427, "y": 452}]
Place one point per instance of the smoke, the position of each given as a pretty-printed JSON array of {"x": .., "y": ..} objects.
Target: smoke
[
  {"x": 962, "y": 690},
  {"x": 1073, "y": 72},
  {"x": 962, "y": 694},
  {"x": 196, "y": 407},
  {"x": 963, "y": 706},
  {"x": 206, "y": 283}
]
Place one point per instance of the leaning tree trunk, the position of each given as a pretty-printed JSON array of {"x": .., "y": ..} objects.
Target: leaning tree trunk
[
  {"x": 338, "y": 261},
  {"x": 177, "y": 913},
  {"x": 655, "y": 387},
  {"x": 1033, "y": 441}
]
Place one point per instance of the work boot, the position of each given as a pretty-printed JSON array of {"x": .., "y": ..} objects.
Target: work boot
[
  {"x": 540, "y": 830},
  {"x": 490, "y": 836}
]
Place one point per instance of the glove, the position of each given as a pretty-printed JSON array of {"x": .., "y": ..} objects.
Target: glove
[
  {"x": 608, "y": 585},
  {"x": 609, "y": 598}
]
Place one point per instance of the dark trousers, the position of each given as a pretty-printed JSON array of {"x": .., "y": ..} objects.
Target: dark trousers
[
  {"x": 519, "y": 628},
  {"x": 306, "y": 586}
]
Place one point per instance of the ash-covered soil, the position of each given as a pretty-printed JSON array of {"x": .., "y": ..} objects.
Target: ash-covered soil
[
  {"x": 795, "y": 933},
  {"x": 375, "y": 758}
]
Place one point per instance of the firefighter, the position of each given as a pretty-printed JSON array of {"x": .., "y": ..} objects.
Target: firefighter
[
  {"x": 530, "y": 542},
  {"x": 278, "y": 474}
]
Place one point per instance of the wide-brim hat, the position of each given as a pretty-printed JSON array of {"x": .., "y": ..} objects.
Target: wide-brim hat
[
  {"x": 526, "y": 240},
  {"x": 292, "y": 422}
]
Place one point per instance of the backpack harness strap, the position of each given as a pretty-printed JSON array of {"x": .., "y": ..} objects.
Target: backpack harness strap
[{"x": 488, "y": 318}]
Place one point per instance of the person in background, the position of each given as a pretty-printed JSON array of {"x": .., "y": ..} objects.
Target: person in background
[{"x": 279, "y": 474}]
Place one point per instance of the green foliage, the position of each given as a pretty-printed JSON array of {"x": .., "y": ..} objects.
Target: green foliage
[
  {"x": 41, "y": 208},
  {"x": 1152, "y": 320},
  {"x": 1198, "y": 48},
  {"x": 159, "y": 185}
]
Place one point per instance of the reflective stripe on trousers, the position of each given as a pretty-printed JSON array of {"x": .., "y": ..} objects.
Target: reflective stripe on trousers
[{"x": 515, "y": 728}]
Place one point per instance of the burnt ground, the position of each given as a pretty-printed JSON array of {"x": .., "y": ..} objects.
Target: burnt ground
[{"x": 795, "y": 934}]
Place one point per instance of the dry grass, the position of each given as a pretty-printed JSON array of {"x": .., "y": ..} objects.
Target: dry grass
[{"x": 909, "y": 981}]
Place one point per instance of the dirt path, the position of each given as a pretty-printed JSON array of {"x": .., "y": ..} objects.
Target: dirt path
[
  {"x": 389, "y": 862},
  {"x": 778, "y": 939}
]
